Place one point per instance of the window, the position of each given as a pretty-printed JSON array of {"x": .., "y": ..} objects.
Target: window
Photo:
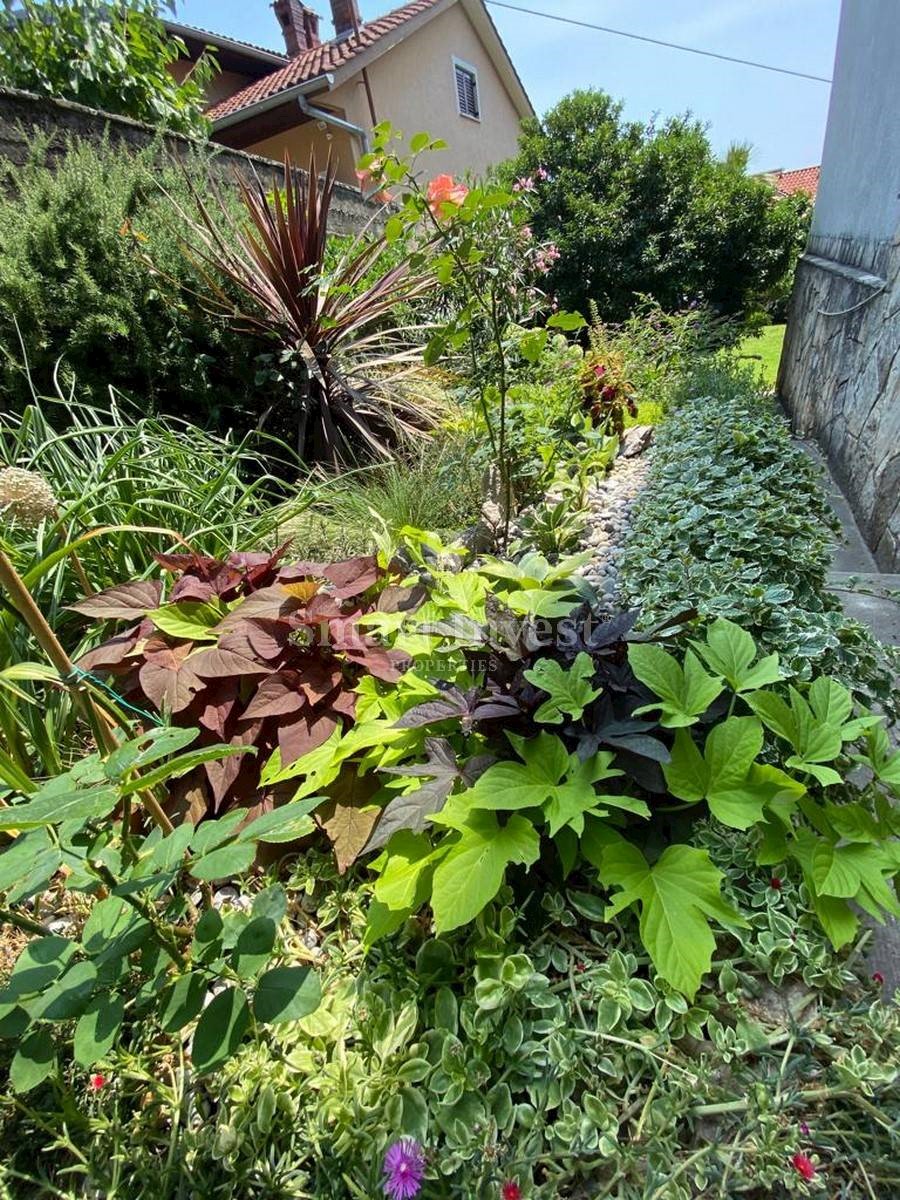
[{"x": 467, "y": 90}]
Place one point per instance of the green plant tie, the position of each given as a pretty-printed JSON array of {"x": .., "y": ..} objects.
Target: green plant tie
[{"x": 77, "y": 676}]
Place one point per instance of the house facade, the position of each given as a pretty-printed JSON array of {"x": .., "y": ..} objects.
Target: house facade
[
  {"x": 840, "y": 369},
  {"x": 435, "y": 65}
]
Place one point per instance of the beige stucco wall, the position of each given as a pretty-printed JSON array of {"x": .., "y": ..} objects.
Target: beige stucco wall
[
  {"x": 413, "y": 86},
  {"x": 302, "y": 138}
]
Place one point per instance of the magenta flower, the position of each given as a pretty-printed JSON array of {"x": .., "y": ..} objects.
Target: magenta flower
[{"x": 404, "y": 1166}]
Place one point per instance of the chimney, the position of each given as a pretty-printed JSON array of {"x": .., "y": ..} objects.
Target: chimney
[
  {"x": 299, "y": 24},
  {"x": 345, "y": 14}
]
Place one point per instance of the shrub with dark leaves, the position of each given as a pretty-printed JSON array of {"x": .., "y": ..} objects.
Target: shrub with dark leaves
[{"x": 253, "y": 652}]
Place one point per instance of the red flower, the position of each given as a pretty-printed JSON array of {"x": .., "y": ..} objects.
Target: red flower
[
  {"x": 97, "y": 1082},
  {"x": 443, "y": 190},
  {"x": 804, "y": 1167},
  {"x": 775, "y": 883},
  {"x": 510, "y": 1191},
  {"x": 878, "y": 978}
]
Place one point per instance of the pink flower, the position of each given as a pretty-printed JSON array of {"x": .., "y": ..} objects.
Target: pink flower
[
  {"x": 444, "y": 190},
  {"x": 541, "y": 174},
  {"x": 97, "y": 1082},
  {"x": 404, "y": 1167},
  {"x": 527, "y": 233},
  {"x": 545, "y": 257},
  {"x": 510, "y": 1190},
  {"x": 804, "y": 1166},
  {"x": 525, "y": 184},
  {"x": 370, "y": 174},
  {"x": 878, "y": 978}
]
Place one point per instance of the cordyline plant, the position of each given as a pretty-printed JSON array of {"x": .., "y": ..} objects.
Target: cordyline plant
[
  {"x": 330, "y": 323},
  {"x": 254, "y": 653}
]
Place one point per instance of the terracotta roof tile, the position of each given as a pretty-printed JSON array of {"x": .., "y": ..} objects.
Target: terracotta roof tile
[
  {"x": 319, "y": 60},
  {"x": 806, "y": 179}
]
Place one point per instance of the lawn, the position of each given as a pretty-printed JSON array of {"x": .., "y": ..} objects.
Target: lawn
[{"x": 766, "y": 347}]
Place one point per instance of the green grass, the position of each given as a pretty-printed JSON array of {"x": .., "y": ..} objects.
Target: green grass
[{"x": 765, "y": 348}]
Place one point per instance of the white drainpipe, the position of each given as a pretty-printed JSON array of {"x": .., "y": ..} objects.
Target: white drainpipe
[{"x": 322, "y": 114}]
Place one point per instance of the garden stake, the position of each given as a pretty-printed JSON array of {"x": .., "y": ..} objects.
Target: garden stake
[{"x": 24, "y": 602}]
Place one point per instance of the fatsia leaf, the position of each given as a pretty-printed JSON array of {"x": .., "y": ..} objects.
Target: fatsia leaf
[
  {"x": 123, "y": 602},
  {"x": 882, "y": 757},
  {"x": 406, "y": 871},
  {"x": 730, "y": 651},
  {"x": 685, "y": 693},
  {"x": 722, "y": 774},
  {"x": 678, "y": 897},
  {"x": 474, "y": 867},
  {"x": 569, "y": 691}
]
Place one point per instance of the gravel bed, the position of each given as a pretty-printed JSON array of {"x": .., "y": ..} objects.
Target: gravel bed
[{"x": 611, "y": 501}]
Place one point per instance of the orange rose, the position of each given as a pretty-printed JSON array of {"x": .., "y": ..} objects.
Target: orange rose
[{"x": 443, "y": 190}]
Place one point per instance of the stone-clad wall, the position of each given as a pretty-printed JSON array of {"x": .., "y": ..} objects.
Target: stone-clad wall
[
  {"x": 840, "y": 376},
  {"x": 23, "y": 117}
]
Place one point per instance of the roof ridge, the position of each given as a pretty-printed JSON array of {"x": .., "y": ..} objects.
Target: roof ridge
[{"x": 319, "y": 60}]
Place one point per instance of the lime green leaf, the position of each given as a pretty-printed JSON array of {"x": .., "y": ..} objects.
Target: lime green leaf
[
  {"x": 569, "y": 691},
  {"x": 775, "y": 714},
  {"x": 685, "y": 693},
  {"x": 220, "y": 1029},
  {"x": 730, "y": 651},
  {"x": 473, "y": 870},
  {"x": 286, "y": 994},
  {"x": 678, "y": 897},
  {"x": 98, "y": 1028},
  {"x": 830, "y": 701},
  {"x": 34, "y": 1061},
  {"x": 192, "y": 620},
  {"x": 726, "y": 774},
  {"x": 567, "y": 321},
  {"x": 404, "y": 879}
]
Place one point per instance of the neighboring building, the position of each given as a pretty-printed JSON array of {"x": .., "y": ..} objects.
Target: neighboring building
[
  {"x": 435, "y": 65},
  {"x": 840, "y": 370},
  {"x": 786, "y": 183}
]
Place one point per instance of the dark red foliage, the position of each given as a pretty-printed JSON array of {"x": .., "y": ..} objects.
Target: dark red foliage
[{"x": 287, "y": 653}]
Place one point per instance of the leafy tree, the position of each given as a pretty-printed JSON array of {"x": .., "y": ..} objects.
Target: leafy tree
[
  {"x": 115, "y": 57},
  {"x": 644, "y": 210}
]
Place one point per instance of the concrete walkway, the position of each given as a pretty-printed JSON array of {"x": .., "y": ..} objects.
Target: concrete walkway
[{"x": 872, "y": 597}]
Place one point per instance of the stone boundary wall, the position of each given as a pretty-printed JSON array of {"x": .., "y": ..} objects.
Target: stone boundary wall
[
  {"x": 840, "y": 376},
  {"x": 24, "y": 116}
]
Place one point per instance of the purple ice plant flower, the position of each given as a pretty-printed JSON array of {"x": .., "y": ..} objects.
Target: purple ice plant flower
[{"x": 404, "y": 1166}]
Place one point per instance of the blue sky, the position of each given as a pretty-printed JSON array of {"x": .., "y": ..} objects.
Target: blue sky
[{"x": 782, "y": 117}]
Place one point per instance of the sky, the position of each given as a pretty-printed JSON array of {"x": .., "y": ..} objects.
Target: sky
[{"x": 782, "y": 117}]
